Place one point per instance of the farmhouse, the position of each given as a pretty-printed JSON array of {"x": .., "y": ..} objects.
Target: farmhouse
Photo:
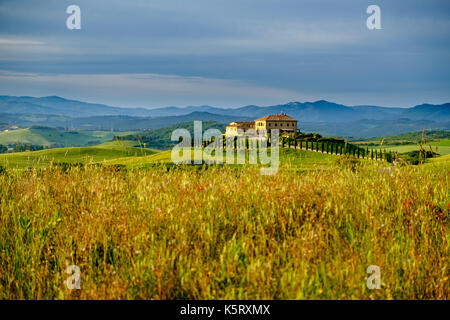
[
  {"x": 232, "y": 128},
  {"x": 278, "y": 121}
]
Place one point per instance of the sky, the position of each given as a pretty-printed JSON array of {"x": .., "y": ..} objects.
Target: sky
[{"x": 156, "y": 53}]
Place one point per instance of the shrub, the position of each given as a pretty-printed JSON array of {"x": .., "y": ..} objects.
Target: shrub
[
  {"x": 416, "y": 157},
  {"x": 66, "y": 166},
  {"x": 348, "y": 162}
]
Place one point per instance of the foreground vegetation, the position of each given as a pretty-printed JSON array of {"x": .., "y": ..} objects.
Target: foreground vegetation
[{"x": 224, "y": 232}]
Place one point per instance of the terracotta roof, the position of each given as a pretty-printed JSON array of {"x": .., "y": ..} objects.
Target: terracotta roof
[
  {"x": 282, "y": 116},
  {"x": 242, "y": 124}
]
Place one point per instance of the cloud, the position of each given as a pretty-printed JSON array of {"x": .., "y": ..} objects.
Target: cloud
[
  {"x": 20, "y": 42},
  {"x": 321, "y": 48}
]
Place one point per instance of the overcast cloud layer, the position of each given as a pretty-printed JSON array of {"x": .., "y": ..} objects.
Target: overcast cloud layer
[{"x": 151, "y": 53}]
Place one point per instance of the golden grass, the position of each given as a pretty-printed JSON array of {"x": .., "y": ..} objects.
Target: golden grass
[{"x": 225, "y": 233}]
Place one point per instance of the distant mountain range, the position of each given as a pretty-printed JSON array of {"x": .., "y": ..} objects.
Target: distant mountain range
[
  {"x": 321, "y": 116},
  {"x": 55, "y": 105}
]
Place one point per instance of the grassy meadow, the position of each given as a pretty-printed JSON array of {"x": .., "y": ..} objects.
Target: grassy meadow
[
  {"x": 147, "y": 230},
  {"x": 50, "y": 137},
  {"x": 442, "y": 147},
  {"x": 83, "y": 155}
]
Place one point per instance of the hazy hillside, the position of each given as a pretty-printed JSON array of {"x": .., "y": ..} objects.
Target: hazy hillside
[
  {"x": 318, "y": 111},
  {"x": 429, "y": 112},
  {"x": 372, "y": 128},
  {"x": 140, "y": 123},
  {"x": 161, "y": 138},
  {"x": 324, "y": 111},
  {"x": 51, "y": 137},
  {"x": 415, "y": 136},
  {"x": 59, "y": 106},
  {"x": 320, "y": 116},
  {"x": 116, "y": 123}
]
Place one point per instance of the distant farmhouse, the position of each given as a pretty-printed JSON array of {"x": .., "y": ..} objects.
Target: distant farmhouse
[
  {"x": 232, "y": 128},
  {"x": 278, "y": 121}
]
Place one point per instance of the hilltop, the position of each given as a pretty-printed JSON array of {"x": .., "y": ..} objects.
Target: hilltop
[
  {"x": 317, "y": 111},
  {"x": 324, "y": 117},
  {"x": 52, "y": 137}
]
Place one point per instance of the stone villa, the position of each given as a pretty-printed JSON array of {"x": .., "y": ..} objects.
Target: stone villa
[{"x": 278, "y": 121}]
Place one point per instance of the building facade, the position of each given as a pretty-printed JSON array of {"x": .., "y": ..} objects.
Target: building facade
[
  {"x": 278, "y": 121},
  {"x": 234, "y": 128}
]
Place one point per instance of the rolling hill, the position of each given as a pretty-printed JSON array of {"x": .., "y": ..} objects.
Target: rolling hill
[
  {"x": 161, "y": 138},
  {"x": 55, "y": 105},
  {"x": 128, "y": 123},
  {"x": 324, "y": 117},
  {"x": 318, "y": 111},
  {"x": 84, "y": 155},
  {"x": 118, "y": 153},
  {"x": 51, "y": 137}
]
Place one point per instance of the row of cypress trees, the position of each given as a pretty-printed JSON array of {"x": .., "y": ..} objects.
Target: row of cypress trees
[
  {"x": 337, "y": 148},
  {"x": 330, "y": 147}
]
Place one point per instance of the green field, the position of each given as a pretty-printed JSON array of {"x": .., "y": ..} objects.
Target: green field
[
  {"x": 443, "y": 147},
  {"x": 120, "y": 153},
  {"x": 149, "y": 230},
  {"x": 100, "y": 153},
  {"x": 50, "y": 137}
]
